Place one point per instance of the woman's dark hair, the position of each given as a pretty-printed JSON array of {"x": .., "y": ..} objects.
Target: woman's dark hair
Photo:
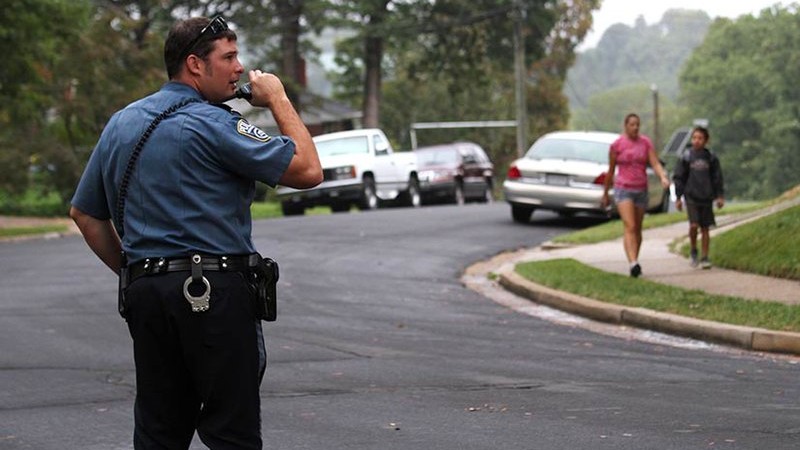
[
  {"x": 182, "y": 34},
  {"x": 631, "y": 116},
  {"x": 701, "y": 130}
]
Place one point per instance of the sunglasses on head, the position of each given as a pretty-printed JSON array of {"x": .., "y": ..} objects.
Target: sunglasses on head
[{"x": 215, "y": 27}]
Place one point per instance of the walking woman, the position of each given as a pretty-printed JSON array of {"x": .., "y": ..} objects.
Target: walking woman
[{"x": 631, "y": 153}]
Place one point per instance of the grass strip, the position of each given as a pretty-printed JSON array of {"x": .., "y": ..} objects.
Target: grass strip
[
  {"x": 768, "y": 246},
  {"x": 26, "y": 231},
  {"x": 572, "y": 276},
  {"x": 269, "y": 210}
]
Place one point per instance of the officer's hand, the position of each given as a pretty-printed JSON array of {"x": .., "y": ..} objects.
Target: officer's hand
[
  {"x": 267, "y": 89},
  {"x": 679, "y": 204},
  {"x": 720, "y": 202}
]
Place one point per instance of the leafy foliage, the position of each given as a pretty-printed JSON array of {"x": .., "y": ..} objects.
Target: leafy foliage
[
  {"x": 452, "y": 60},
  {"x": 616, "y": 77},
  {"x": 71, "y": 64},
  {"x": 744, "y": 78}
]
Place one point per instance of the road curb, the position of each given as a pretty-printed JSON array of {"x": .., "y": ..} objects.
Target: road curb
[{"x": 749, "y": 338}]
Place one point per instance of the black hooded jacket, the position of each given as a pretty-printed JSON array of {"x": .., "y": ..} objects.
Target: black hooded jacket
[{"x": 698, "y": 176}]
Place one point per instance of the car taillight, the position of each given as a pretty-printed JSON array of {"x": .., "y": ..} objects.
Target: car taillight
[
  {"x": 601, "y": 179},
  {"x": 514, "y": 173}
]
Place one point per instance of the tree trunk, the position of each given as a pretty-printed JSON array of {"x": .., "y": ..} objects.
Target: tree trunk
[
  {"x": 289, "y": 12},
  {"x": 372, "y": 81}
]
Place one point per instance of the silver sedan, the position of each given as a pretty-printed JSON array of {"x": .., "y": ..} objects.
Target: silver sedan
[{"x": 564, "y": 172}]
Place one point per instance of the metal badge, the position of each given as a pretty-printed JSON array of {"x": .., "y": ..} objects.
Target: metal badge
[{"x": 199, "y": 304}]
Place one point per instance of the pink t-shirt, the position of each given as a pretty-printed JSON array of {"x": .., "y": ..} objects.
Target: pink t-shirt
[{"x": 632, "y": 157}]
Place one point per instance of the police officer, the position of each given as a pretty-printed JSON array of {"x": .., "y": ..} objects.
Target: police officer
[{"x": 183, "y": 222}]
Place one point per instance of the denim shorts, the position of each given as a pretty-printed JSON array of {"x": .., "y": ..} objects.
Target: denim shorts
[{"x": 639, "y": 198}]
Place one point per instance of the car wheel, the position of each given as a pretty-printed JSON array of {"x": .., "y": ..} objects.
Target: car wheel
[
  {"x": 292, "y": 209},
  {"x": 488, "y": 195},
  {"x": 413, "y": 196},
  {"x": 521, "y": 213},
  {"x": 369, "y": 198},
  {"x": 340, "y": 207},
  {"x": 458, "y": 194}
]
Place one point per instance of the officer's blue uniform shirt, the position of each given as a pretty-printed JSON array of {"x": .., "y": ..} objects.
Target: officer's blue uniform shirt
[{"x": 197, "y": 168}]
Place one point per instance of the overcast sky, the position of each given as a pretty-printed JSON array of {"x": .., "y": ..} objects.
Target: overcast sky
[{"x": 626, "y": 12}]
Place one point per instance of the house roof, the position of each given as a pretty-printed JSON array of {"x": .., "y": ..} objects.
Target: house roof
[{"x": 316, "y": 110}]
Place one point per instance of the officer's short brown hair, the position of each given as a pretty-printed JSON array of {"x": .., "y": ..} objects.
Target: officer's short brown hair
[{"x": 181, "y": 35}]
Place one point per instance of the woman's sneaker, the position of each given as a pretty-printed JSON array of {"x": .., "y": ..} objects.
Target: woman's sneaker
[
  {"x": 705, "y": 263},
  {"x": 693, "y": 255},
  {"x": 636, "y": 270}
]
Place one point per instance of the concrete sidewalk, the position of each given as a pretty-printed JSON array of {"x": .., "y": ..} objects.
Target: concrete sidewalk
[{"x": 659, "y": 264}]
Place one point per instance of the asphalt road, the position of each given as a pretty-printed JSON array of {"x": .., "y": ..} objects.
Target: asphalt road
[{"x": 379, "y": 346}]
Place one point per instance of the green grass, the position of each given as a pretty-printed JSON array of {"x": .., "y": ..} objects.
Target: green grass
[
  {"x": 33, "y": 202},
  {"x": 268, "y": 210},
  {"x": 25, "y": 231},
  {"x": 571, "y": 276},
  {"x": 613, "y": 228},
  {"x": 767, "y": 246},
  {"x": 265, "y": 210}
]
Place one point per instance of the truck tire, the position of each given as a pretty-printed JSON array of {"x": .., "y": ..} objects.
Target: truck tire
[
  {"x": 339, "y": 207},
  {"x": 292, "y": 209},
  {"x": 413, "y": 196},
  {"x": 488, "y": 195},
  {"x": 369, "y": 197},
  {"x": 458, "y": 193},
  {"x": 521, "y": 213}
]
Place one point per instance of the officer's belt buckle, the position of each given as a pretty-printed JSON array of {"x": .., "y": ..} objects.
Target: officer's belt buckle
[{"x": 198, "y": 303}]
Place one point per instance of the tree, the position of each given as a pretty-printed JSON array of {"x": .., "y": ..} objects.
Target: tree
[
  {"x": 744, "y": 79},
  {"x": 34, "y": 33},
  {"x": 274, "y": 36},
  {"x": 629, "y": 57},
  {"x": 457, "y": 66},
  {"x": 374, "y": 22},
  {"x": 84, "y": 61}
]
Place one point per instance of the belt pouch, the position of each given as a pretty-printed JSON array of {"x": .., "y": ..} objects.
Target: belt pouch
[
  {"x": 266, "y": 280},
  {"x": 122, "y": 307}
]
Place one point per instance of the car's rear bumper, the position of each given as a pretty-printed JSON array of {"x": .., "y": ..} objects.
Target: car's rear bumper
[
  {"x": 557, "y": 198},
  {"x": 437, "y": 189}
]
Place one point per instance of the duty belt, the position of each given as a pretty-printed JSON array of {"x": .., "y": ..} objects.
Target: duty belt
[{"x": 195, "y": 264}]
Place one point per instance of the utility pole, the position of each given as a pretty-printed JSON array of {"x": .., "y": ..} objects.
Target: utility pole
[
  {"x": 656, "y": 134},
  {"x": 520, "y": 77}
]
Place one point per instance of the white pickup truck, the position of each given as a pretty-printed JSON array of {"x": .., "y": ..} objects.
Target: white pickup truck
[{"x": 359, "y": 168}]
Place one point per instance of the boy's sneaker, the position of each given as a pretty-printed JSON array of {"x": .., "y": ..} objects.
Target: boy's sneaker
[
  {"x": 636, "y": 270},
  {"x": 705, "y": 263},
  {"x": 693, "y": 255}
]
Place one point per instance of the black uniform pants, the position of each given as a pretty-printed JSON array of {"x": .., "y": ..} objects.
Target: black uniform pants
[{"x": 195, "y": 370}]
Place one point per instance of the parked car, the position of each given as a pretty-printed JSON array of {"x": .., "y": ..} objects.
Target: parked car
[
  {"x": 564, "y": 172},
  {"x": 454, "y": 173},
  {"x": 359, "y": 168}
]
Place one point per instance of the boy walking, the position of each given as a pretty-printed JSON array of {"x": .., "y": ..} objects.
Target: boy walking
[{"x": 698, "y": 179}]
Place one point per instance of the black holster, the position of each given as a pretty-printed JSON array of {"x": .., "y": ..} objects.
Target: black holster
[{"x": 265, "y": 280}]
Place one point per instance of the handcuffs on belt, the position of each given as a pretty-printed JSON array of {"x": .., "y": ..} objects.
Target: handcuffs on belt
[{"x": 199, "y": 303}]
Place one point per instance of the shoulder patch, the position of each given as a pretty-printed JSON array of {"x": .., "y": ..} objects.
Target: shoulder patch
[{"x": 253, "y": 132}]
